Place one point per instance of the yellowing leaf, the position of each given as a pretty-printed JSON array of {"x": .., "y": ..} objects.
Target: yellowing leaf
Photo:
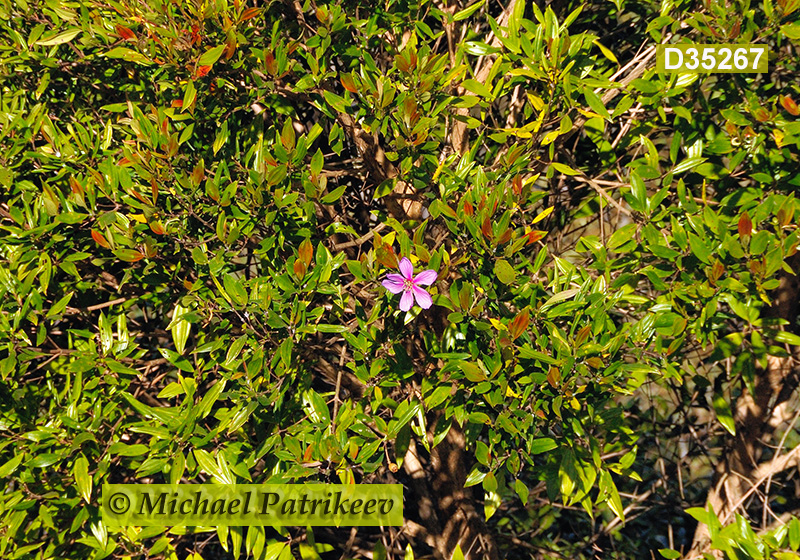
[
  {"x": 542, "y": 215},
  {"x": 606, "y": 51}
]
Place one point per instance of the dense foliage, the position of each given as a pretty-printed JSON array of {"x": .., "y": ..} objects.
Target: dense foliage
[{"x": 201, "y": 199}]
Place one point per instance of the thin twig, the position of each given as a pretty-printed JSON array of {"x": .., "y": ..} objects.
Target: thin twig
[
  {"x": 73, "y": 310},
  {"x": 360, "y": 241}
]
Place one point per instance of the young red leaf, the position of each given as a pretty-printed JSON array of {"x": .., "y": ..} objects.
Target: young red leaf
[
  {"x": 761, "y": 114},
  {"x": 486, "y": 227},
  {"x": 716, "y": 271},
  {"x": 348, "y": 82},
  {"x": 306, "y": 251},
  {"x": 518, "y": 325},
  {"x": 129, "y": 255},
  {"x": 157, "y": 228},
  {"x": 582, "y": 335},
  {"x": 75, "y": 186},
  {"x": 789, "y": 104},
  {"x": 535, "y": 236},
  {"x": 199, "y": 172},
  {"x": 505, "y": 237},
  {"x": 249, "y": 13},
  {"x": 99, "y": 239},
  {"x": 270, "y": 63},
  {"x": 516, "y": 184},
  {"x": 554, "y": 376},
  {"x": 745, "y": 225},
  {"x": 125, "y": 33}
]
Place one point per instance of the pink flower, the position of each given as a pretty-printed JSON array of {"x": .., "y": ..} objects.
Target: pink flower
[{"x": 409, "y": 284}]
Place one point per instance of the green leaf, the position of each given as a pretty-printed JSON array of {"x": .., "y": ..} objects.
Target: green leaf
[
  {"x": 669, "y": 553},
  {"x": 11, "y": 465},
  {"x": 724, "y": 415},
  {"x": 316, "y": 408},
  {"x": 542, "y": 445},
  {"x": 478, "y": 48},
  {"x": 44, "y": 460},
  {"x": 474, "y": 477},
  {"x": 333, "y": 196},
  {"x": 129, "y": 55},
  {"x": 61, "y": 38},
  {"x": 638, "y": 188},
  {"x": 791, "y": 30},
  {"x": 438, "y": 396},
  {"x": 477, "y": 88},
  {"x": 82, "y": 479},
  {"x": 235, "y": 289},
  {"x": 208, "y": 400},
  {"x": 699, "y": 248},
  {"x": 211, "y": 56},
  {"x": 60, "y": 305},
  {"x": 565, "y": 169},
  {"x": 522, "y": 491},
  {"x": 561, "y": 296},
  {"x": 612, "y": 495},
  {"x": 171, "y": 390},
  {"x": 595, "y": 103},
  {"x": 222, "y": 137},
  {"x": 786, "y": 337},
  {"x": 688, "y": 164},
  {"x": 504, "y": 271},
  {"x": 469, "y": 10},
  {"x": 180, "y": 328}
]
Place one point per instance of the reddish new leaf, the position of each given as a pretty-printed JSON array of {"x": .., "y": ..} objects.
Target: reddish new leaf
[
  {"x": 348, "y": 82},
  {"x": 518, "y": 325},
  {"x": 789, "y": 104},
  {"x": 516, "y": 184},
  {"x": 75, "y": 186},
  {"x": 761, "y": 115},
  {"x": 125, "y": 33},
  {"x": 99, "y": 239},
  {"x": 129, "y": 255},
  {"x": 249, "y": 13},
  {"x": 486, "y": 227},
  {"x": 157, "y": 228},
  {"x": 745, "y": 225},
  {"x": 306, "y": 251},
  {"x": 535, "y": 236},
  {"x": 270, "y": 63}
]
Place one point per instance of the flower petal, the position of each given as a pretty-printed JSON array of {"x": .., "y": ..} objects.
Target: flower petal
[
  {"x": 406, "y": 268},
  {"x": 423, "y": 298},
  {"x": 406, "y": 301},
  {"x": 425, "y": 278},
  {"x": 393, "y": 283}
]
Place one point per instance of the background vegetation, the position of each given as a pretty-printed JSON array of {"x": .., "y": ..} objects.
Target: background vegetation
[{"x": 201, "y": 199}]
